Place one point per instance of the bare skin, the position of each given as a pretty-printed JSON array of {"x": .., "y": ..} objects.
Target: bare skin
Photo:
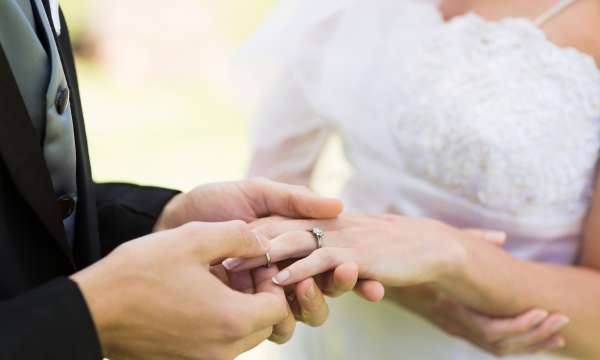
[{"x": 165, "y": 296}]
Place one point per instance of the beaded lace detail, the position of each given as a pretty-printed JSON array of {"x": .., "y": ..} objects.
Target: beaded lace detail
[{"x": 507, "y": 120}]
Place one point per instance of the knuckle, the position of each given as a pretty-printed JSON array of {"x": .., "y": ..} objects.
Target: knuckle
[
  {"x": 241, "y": 230},
  {"x": 325, "y": 255}
]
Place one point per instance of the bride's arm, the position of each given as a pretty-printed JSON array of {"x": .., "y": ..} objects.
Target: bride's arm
[
  {"x": 288, "y": 136},
  {"x": 403, "y": 252},
  {"x": 531, "y": 332},
  {"x": 492, "y": 281}
]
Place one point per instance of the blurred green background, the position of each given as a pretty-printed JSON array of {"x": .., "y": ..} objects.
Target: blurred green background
[
  {"x": 160, "y": 103},
  {"x": 154, "y": 125}
]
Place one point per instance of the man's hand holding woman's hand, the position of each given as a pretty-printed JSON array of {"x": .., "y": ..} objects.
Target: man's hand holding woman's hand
[
  {"x": 256, "y": 199},
  {"x": 166, "y": 296},
  {"x": 156, "y": 298}
]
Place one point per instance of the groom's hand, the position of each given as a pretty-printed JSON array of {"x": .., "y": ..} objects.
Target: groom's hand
[
  {"x": 156, "y": 298},
  {"x": 247, "y": 200},
  {"x": 306, "y": 299},
  {"x": 258, "y": 198}
]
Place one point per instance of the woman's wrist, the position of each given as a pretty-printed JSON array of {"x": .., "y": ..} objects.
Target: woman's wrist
[{"x": 453, "y": 266}]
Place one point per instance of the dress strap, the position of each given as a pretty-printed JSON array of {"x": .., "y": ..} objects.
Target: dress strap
[{"x": 553, "y": 11}]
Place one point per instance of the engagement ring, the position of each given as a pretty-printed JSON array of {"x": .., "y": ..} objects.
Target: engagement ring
[{"x": 318, "y": 234}]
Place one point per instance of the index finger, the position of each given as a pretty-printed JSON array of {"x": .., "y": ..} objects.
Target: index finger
[
  {"x": 320, "y": 261},
  {"x": 313, "y": 308}
]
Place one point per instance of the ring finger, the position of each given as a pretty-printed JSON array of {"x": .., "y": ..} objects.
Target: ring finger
[{"x": 290, "y": 245}]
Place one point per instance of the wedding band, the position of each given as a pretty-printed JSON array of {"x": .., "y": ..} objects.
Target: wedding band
[
  {"x": 269, "y": 260},
  {"x": 318, "y": 234}
]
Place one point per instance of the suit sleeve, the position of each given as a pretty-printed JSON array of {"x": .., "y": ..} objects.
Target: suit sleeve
[
  {"x": 49, "y": 322},
  {"x": 127, "y": 211}
]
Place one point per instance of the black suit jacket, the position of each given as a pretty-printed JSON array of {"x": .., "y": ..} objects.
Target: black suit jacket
[{"x": 42, "y": 312}]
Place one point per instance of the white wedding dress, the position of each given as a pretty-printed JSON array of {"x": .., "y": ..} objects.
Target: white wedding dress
[{"x": 476, "y": 123}]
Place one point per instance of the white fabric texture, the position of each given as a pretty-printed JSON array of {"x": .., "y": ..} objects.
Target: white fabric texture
[
  {"x": 476, "y": 123},
  {"x": 54, "y": 10}
]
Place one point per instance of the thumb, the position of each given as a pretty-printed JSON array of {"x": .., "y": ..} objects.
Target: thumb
[
  {"x": 495, "y": 237},
  {"x": 217, "y": 241},
  {"x": 273, "y": 198}
]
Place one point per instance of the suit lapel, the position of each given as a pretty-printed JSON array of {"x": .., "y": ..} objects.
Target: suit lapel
[
  {"x": 87, "y": 245},
  {"x": 22, "y": 155}
]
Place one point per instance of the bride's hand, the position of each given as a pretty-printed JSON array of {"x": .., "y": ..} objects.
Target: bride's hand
[
  {"x": 400, "y": 251},
  {"x": 533, "y": 331},
  {"x": 395, "y": 250}
]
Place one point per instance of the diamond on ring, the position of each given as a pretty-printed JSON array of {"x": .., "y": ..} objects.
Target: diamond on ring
[{"x": 318, "y": 234}]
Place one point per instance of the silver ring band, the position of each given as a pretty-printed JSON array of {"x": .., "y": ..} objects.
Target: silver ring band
[
  {"x": 318, "y": 234},
  {"x": 269, "y": 260}
]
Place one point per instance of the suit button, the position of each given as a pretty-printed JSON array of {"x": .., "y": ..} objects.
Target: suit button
[
  {"x": 66, "y": 206},
  {"x": 62, "y": 100}
]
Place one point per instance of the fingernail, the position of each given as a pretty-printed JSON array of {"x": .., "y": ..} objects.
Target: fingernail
[
  {"x": 281, "y": 277},
  {"x": 264, "y": 241},
  {"x": 231, "y": 264},
  {"x": 311, "y": 292},
  {"x": 560, "y": 323},
  {"x": 538, "y": 318},
  {"x": 496, "y": 236}
]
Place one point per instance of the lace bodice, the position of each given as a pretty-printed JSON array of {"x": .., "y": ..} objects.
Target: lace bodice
[{"x": 500, "y": 116}]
